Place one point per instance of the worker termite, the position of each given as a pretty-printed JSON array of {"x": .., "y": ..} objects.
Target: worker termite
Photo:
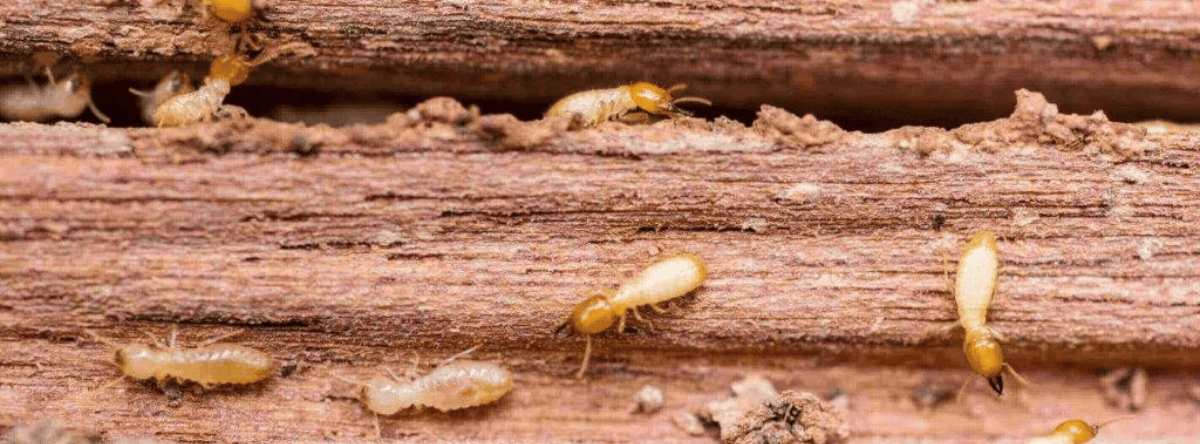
[
  {"x": 207, "y": 364},
  {"x": 55, "y": 100},
  {"x": 668, "y": 278},
  {"x": 596, "y": 106},
  {"x": 205, "y": 103},
  {"x": 452, "y": 385},
  {"x": 1074, "y": 431},
  {"x": 974, "y": 285},
  {"x": 171, "y": 85}
]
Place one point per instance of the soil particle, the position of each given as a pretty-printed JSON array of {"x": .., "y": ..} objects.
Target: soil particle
[
  {"x": 748, "y": 394},
  {"x": 689, "y": 423},
  {"x": 648, "y": 400},
  {"x": 791, "y": 417},
  {"x": 800, "y": 132}
]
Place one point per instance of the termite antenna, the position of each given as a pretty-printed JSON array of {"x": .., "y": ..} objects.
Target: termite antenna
[
  {"x": 140, "y": 93},
  {"x": 958, "y": 399},
  {"x": 1013, "y": 371},
  {"x": 676, "y": 88},
  {"x": 109, "y": 384},
  {"x": 103, "y": 340},
  {"x": 587, "y": 353},
  {"x": 692, "y": 99},
  {"x": 1096, "y": 428},
  {"x": 348, "y": 380},
  {"x": 96, "y": 112},
  {"x": 459, "y": 355},
  {"x": 222, "y": 337}
]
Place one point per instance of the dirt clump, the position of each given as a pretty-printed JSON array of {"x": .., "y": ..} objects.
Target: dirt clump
[
  {"x": 790, "y": 418},
  {"x": 1037, "y": 122},
  {"x": 799, "y": 132}
]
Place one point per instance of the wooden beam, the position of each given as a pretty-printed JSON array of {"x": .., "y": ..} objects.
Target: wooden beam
[{"x": 341, "y": 250}]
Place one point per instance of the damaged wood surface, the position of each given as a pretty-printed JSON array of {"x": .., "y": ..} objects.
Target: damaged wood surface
[
  {"x": 838, "y": 59},
  {"x": 343, "y": 250}
]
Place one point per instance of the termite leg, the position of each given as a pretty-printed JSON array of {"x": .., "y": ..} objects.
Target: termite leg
[
  {"x": 621, "y": 324},
  {"x": 154, "y": 339},
  {"x": 50, "y": 75},
  {"x": 587, "y": 353},
  {"x": 634, "y": 118},
  {"x": 174, "y": 335},
  {"x": 638, "y": 316},
  {"x": 378, "y": 433},
  {"x": 658, "y": 309}
]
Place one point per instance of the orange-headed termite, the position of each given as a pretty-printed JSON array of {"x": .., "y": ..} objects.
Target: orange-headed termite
[
  {"x": 453, "y": 385},
  {"x": 668, "y": 278},
  {"x": 208, "y": 364},
  {"x": 1074, "y": 431},
  {"x": 171, "y": 85},
  {"x": 33, "y": 103},
  {"x": 596, "y": 106},
  {"x": 206, "y": 103},
  {"x": 974, "y": 285}
]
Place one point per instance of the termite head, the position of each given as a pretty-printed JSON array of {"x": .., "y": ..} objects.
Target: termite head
[
  {"x": 384, "y": 396},
  {"x": 137, "y": 361},
  {"x": 593, "y": 315},
  {"x": 986, "y": 359},
  {"x": 232, "y": 69},
  {"x": 655, "y": 100},
  {"x": 232, "y": 11},
  {"x": 1079, "y": 431}
]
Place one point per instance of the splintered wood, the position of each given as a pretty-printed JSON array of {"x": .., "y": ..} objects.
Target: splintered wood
[{"x": 830, "y": 254}]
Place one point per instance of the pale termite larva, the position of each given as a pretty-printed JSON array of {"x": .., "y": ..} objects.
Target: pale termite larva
[
  {"x": 596, "y": 106},
  {"x": 206, "y": 103},
  {"x": 974, "y": 285},
  {"x": 451, "y": 386},
  {"x": 668, "y": 278},
  {"x": 33, "y": 103},
  {"x": 1074, "y": 431},
  {"x": 207, "y": 365},
  {"x": 171, "y": 85}
]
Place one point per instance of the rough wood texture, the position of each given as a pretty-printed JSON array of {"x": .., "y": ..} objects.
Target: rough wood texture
[
  {"x": 843, "y": 60},
  {"x": 343, "y": 250}
]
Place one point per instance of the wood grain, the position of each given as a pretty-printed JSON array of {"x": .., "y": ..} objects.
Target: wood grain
[
  {"x": 876, "y": 62},
  {"x": 829, "y": 253}
]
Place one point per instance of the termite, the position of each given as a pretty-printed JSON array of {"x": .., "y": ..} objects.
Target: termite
[
  {"x": 974, "y": 285},
  {"x": 451, "y": 386},
  {"x": 596, "y": 106},
  {"x": 1074, "y": 431},
  {"x": 668, "y": 278},
  {"x": 65, "y": 99},
  {"x": 171, "y": 85},
  {"x": 208, "y": 364},
  {"x": 205, "y": 103}
]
